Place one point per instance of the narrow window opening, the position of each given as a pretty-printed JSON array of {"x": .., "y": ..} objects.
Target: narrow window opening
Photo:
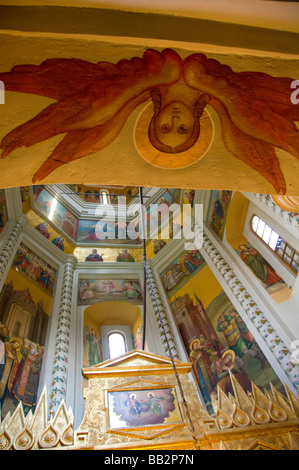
[
  {"x": 117, "y": 345},
  {"x": 104, "y": 197},
  {"x": 281, "y": 248}
]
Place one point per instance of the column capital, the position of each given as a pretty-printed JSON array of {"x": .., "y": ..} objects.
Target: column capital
[
  {"x": 8, "y": 248},
  {"x": 71, "y": 259}
]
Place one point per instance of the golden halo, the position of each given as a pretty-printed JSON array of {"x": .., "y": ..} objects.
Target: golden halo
[
  {"x": 16, "y": 340},
  {"x": 196, "y": 340},
  {"x": 169, "y": 160},
  {"x": 229, "y": 351}
]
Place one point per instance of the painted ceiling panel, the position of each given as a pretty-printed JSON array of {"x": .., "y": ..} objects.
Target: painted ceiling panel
[{"x": 93, "y": 110}]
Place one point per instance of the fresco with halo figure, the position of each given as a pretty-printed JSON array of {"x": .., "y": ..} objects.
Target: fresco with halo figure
[
  {"x": 217, "y": 211},
  {"x": 93, "y": 101},
  {"x": 95, "y": 290},
  {"x": 138, "y": 408},
  {"x": 25, "y": 306},
  {"x": 180, "y": 270},
  {"x": 217, "y": 339},
  {"x": 32, "y": 266},
  {"x": 100, "y": 231}
]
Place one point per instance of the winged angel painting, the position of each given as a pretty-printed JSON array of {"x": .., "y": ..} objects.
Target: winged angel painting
[{"x": 94, "y": 100}]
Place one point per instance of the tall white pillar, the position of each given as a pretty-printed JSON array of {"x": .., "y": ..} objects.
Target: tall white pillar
[
  {"x": 62, "y": 341},
  {"x": 164, "y": 327},
  {"x": 9, "y": 248}
]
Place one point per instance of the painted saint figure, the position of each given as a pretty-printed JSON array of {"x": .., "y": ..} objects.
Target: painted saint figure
[
  {"x": 9, "y": 366},
  {"x": 25, "y": 389},
  {"x": 125, "y": 256},
  {"x": 131, "y": 290},
  {"x": 94, "y": 256},
  {"x": 258, "y": 265},
  {"x": 92, "y": 344},
  {"x": 59, "y": 242},
  {"x": 94, "y": 101},
  {"x": 224, "y": 366},
  {"x": 202, "y": 371},
  {"x": 43, "y": 229},
  {"x": 239, "y": 340}
]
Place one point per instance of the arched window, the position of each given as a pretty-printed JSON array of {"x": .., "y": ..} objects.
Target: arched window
[
  {"x": 116, "y": 344},
  {"x": 116, "y": 340},
  {"x": 281, "y": 248},
  {"x": 16, "y": 328},
  {"x": 104, "y": 196}
]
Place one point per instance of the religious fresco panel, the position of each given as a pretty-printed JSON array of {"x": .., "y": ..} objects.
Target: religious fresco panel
[
  {"x": 115, "y": 194},
  {"x": 103, "y": 230},
  {"x": 32, "y": 266},
  {"x": 25, "y": 304},
  {"x": 218, "y": 342},
  {"x": 139, "y": 408},
  {"x": 94, "y": 99},
  {"x": 180, "y": 270},
  {"x": 217, "y": 211},
  {"x": 95, "y": 290},
  {"x": 55, "y": 211},
  {"x": 261, "y": 269},
  {"x": 160, "y": 213},
  {"x": 92, "y": 347}
]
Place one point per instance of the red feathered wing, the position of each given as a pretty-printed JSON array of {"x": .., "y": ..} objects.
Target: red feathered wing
[
  {"x": 90, "y": 98},
  {"x": 255, "y": 110}
]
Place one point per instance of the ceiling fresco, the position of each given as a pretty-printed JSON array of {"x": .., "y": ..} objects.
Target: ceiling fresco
[
  {"x": 112, "y": 194},
  {"x": 85, "y": 111}
]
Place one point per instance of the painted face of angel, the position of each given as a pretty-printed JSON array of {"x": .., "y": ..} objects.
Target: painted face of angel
[{"x": 175, "y": 127}]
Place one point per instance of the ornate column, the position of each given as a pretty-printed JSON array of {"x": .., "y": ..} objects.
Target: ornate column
[
  {"x": 61, "y": 351},
  {"x": 160, "y": 312},
  {"x": 10, "y": 244},
  {"x": 256, "y": 316}
]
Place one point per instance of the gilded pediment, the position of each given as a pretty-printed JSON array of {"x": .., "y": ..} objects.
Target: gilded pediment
[{"x": 136, "y": 361}]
